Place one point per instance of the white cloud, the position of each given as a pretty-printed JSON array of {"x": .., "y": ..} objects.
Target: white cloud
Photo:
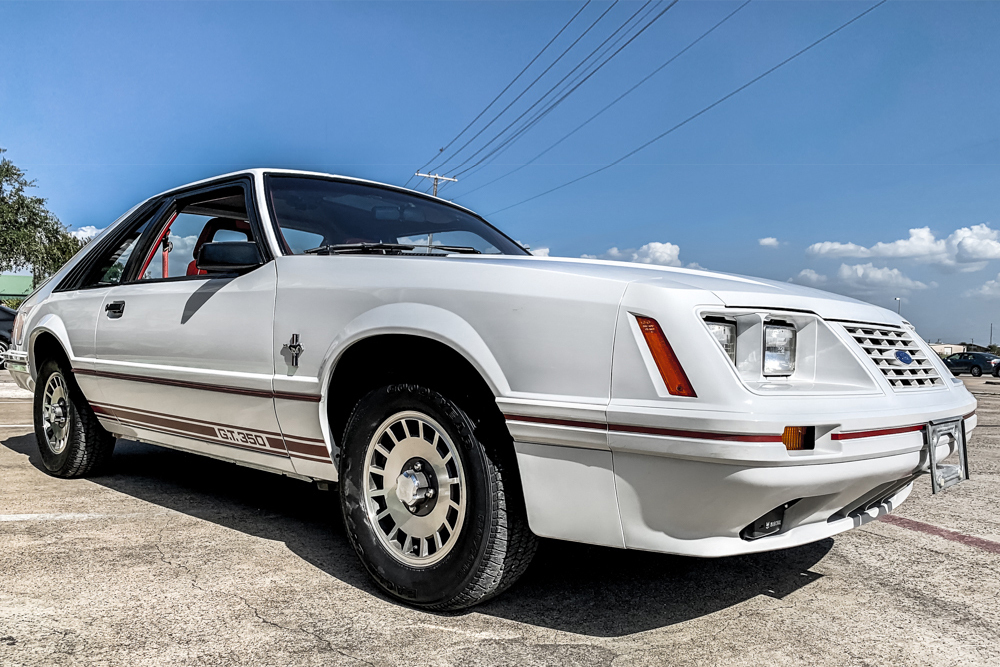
[
  {"x": 540, "y": 252},
  {"x": 183, "y": 247},
  {"x": 867, "y": 278},
  {"x": 664, "y": 254},
  {"x": 966, "y": 249},
  {"x": 769, "y": 242},
  {"x": 990, "y": 289},
  {"x": 975, "y": 244},
  {"x": 808, "y": 277},
  {"x": 86, "y": 233}
]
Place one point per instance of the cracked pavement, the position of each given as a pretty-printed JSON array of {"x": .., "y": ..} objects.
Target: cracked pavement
[{"x": 171, "y": 559}]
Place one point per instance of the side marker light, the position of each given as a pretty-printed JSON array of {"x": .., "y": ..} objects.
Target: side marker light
[{"x": 666, "y": 361}]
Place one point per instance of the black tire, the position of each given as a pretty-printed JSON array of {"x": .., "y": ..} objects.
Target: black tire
[
  {"x": 4, "y": 346},
  {"x": 976, "y": 371},
  {"x": 492, "y": 547},
  {"x": 88, "y": 446}
]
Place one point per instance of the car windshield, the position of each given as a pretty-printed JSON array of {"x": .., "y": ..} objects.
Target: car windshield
[{"x": 316, "y": 213}]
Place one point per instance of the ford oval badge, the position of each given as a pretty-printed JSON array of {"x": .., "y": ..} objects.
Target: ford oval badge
[{"x": 903, "y": 357}]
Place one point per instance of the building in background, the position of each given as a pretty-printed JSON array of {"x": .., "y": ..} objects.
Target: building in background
[
  {"x": 945, "y": 349},
  {"x": 14, "y": 287}
]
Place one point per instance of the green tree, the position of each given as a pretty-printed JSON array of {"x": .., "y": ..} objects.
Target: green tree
[{"x": 31, "y": 237}]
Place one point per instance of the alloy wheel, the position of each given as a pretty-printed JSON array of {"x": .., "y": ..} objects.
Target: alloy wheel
[
  {"x": 55, "y": 413},
  {"x": 415, "y": 488}
]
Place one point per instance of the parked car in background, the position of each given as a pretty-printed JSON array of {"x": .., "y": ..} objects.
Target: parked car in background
[
  {"x": 973, "y": 363},
  {"x": 7, "y": 316},
  {"x": 467, "y": 397}
]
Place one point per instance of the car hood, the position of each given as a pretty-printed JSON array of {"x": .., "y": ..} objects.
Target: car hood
[{"x": 734, "y": 291}]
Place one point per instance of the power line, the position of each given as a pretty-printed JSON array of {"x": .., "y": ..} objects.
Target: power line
[
  {"x": 506, "y": 88},
  {"x": 580, "y": 64},
  {"x": 524, "y": 92},
  {"x": 613, "y": 102},
  {"x": 591, "y": 69},
  {"x": 699, "y": 113},
  {"x": 517, "y": 134}
]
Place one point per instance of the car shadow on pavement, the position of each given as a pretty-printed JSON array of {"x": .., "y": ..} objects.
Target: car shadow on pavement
[{"x": 586, "y": 590}]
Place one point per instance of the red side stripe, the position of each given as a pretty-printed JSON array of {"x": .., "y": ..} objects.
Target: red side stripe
[
  {"x": 648, "y": 430},
  {"x": 698, "y": 435},
  {"x": 203, "y": 386},
  {"x": 852, "y": 435},
  {"x": 210, "y": 432}
]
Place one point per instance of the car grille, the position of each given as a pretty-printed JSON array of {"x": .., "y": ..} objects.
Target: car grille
[{"x": 880, "y": 343}]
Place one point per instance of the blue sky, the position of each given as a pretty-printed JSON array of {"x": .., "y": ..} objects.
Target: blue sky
[{"x": 889, "y": 126}]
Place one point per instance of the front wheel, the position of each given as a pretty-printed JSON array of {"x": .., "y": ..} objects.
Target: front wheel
[
  {"x": 976, "y": 371},
  {"x": 430, "y": 510},
  {"x": 71, "y": 441}
]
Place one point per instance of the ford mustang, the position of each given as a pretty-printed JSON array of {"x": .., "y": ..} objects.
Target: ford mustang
[{"x": 467, "y": 397}]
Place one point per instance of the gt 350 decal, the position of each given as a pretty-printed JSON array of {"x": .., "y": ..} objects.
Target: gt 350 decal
[{"x": 242, "y": 437}]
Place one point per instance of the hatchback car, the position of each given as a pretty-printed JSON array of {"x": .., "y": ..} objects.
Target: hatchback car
[{"x": 467, "y": 397}]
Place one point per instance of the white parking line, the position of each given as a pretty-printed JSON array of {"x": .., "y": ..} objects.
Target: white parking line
[
  {"x": 69, "y": 516},
  {"x": 49, "y": 517}
]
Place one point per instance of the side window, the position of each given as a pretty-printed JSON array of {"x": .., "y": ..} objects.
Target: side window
[
  {"x": 108, "y": 270},
  {"x": 220, "y": 217}
]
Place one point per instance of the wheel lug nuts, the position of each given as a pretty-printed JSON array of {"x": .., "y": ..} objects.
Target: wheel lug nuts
[
  {"x": 429, "y": 493},
  {"x": 417, "y": 466}
]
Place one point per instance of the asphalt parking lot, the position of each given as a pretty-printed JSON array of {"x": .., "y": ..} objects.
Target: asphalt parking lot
[{"x": 179, "y": 560}]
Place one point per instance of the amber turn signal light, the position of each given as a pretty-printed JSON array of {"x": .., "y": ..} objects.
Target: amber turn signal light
[
  {"x": 666, "y": 361},
  {"x": 799, "y": 437}
]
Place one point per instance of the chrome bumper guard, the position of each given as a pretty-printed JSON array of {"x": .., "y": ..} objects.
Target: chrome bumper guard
[
  {"x": 945, "y": 475},
  {"x": 16, "y": 361}
]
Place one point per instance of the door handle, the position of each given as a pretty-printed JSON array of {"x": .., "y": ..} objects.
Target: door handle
[{"x": 115, "y": 309}]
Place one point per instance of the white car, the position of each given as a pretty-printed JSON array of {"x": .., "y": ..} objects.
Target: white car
[{"x": 467, "y": 396}]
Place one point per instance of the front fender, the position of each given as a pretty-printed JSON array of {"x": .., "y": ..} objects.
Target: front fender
[{"x": 419, "y": 319}]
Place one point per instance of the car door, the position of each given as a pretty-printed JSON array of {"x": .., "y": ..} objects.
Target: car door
[
  {"x": 77, "y": 301},
  {"x": 965, "y": 362},
  {"x": 184, "y": 356}
]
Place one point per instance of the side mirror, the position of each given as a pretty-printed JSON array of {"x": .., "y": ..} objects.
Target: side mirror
[{"x": 229, "y": 257}]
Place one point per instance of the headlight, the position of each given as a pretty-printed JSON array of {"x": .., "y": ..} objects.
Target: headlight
[
  {"x": 725, "y": 333},
  {"x": 779, "y": 349},
  {"x": 17, "y": 331}
]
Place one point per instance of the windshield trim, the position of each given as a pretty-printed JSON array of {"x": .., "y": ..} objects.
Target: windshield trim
[{"x": 286, "y": 251}]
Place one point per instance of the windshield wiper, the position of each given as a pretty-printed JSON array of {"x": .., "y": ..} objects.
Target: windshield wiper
[
  {"x": 457, "y": 249},
  {"x": 359, "y": 248},
  {"x": 385, "y": 248}
]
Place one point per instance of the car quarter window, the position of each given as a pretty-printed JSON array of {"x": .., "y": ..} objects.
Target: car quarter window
[
  {"x": 314, "y": 212},
  {"x": 219, "y": 216}
]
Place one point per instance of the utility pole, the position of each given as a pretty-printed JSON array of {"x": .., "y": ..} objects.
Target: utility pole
[
  {"x": 436, "y": 177},
  {"x": 899, "y": 304}
]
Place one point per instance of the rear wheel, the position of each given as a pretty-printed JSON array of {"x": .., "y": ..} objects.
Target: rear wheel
[
  {"x": 431, "y": 511},
  {"x": 3, "y": 348},
  {"x": 976, "y": 371},
  {"x": 71, "y": 441}
]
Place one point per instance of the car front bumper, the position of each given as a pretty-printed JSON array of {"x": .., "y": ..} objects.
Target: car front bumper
[{"x": 689, "y": 495}]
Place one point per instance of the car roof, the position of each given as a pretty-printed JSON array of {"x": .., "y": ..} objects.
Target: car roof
[{"x": 260, "y": 171}]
